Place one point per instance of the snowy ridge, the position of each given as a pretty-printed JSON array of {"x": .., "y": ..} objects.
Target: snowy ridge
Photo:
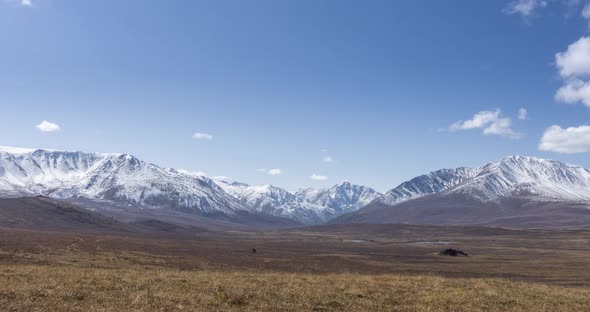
[
  {"x": 539, "y": 179},
  {"x": 117, "y": 177},
  {"x": 514, "y": 176},
  {"x": 431, "y": 183}
]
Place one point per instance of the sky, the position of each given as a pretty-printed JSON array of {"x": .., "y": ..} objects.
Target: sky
[{"x": 299, "y": 93}]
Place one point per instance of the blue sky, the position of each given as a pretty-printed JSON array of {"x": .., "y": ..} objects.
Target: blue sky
[{"x": 387, "y": 90}]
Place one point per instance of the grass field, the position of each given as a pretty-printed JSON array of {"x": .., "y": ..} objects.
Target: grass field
[
  {"x": 55, "y": 288},
  {"x": 336, "y": 268}
]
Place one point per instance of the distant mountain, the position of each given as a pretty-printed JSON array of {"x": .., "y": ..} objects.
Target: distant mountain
[
  {"x": 337, "y": 200},
  {"x": 515, "y": 191},
  {"x": 309, "y": 206},
  {"x": 117, "y": 177}
]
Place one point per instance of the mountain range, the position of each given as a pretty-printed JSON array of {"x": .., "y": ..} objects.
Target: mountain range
[
  {"x": 124, "y": 179},
  {"x": 513, "y": 191}
]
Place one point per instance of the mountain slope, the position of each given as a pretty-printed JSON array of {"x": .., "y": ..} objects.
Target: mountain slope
[
  {"x": 515, "y": 191},
  {"x": 426, "y": 184}
]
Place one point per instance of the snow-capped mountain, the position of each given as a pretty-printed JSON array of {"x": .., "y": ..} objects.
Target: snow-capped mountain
[
  {"x": 515, "y": 191},
  {"x": 123, "y": 178},
  {"x": 271, "y": 200},
  {"x": 309, "y": 206},
  {"x": 116, "y": 177},
  {"x": 528, "y": 177},
  {"x": 513, "y": 175},
  {"x": 337, "y": 200}
]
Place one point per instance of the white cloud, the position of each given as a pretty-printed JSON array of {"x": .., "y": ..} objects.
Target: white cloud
[
  {"x": 569, "y": 141},
  {"x": 522, "y": 113},
  {"x": 275, "y": 171},
  {"x": 317, "y": 177},
  {"x": 574, "y": 67},
  {"x": 491, "y": 122},
  {"x": 574, "y": 91},
  {"x": 192, "y": 173},
  {"x": 46, "y": 126},
  {"x": 202, "y": 174},
  {"x": 575, "y": 61},
  {"x": 524, "y": 7},
  {"x": 27, "y": 3},
  {"x": 327, "y": 159},
  {"x": 202, "y": 136}
]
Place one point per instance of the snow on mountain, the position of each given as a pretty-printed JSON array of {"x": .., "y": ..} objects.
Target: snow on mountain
[
  {"x": 125, "y": 179},
  {"x": 337, "y": 200},
  {"x": 309, "y": 206},
  {"x": 535, "y": 178},
  {"x": 431, "y": 183},
  {"x": 532, "y": 177},
  {"x": 117, "y": 177},
  {"x": 271, "y": 200}
]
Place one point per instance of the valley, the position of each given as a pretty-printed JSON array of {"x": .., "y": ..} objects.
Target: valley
[{"x": 332, "y": 268}]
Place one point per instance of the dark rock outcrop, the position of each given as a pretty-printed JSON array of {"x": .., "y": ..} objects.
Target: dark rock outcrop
[{"x": 452, "y": 252}]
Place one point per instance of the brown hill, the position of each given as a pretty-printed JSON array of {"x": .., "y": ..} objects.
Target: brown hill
[{"x": 456, "y": 209}]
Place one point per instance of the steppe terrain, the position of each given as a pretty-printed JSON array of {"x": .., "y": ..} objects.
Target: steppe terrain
[{"x": 327, "y": 268}]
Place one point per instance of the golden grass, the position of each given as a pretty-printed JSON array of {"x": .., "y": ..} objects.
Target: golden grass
[{"x": 67, "y": 288}]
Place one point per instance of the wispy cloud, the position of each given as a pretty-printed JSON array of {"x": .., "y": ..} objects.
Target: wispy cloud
[
  {"x": 274, "y": 171},
  {"x": 492, "y": 122},
  {"x": 328, "y": 159},
  {"x": 568, "y": 141},
  {"x": 27, "y": 3},
  {"x": 46, "y": 126},
  {"x": 522, "y": 113},
  {"x": 202, "y": 136},
  {"x": 524, "y": 7},
  {"x": 221, "y": 178},
  {"x": 317, "y": 177}
]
